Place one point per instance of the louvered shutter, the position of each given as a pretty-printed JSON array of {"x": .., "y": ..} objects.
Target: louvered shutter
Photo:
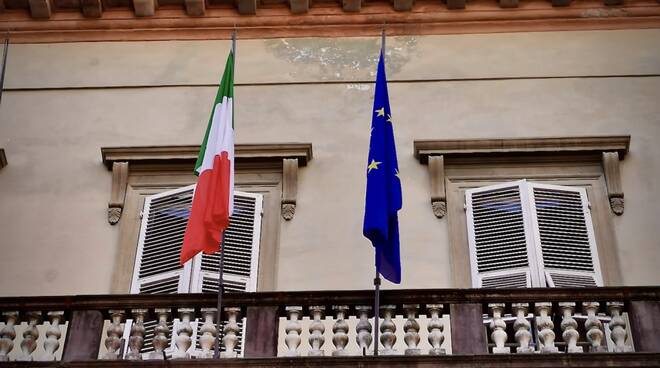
[
  {"x": 564, "y": 236},
  {"x": 499, "y": 234},
  {"x": 157, "y": 269}
]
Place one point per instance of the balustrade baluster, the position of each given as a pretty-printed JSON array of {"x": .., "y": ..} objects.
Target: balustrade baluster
[
  {"x": 53, "y": 334},
  {"x": 293, "y": 330},
  {"x": 545, "y": 326},
  {"x": 387, "y": 330},
  {"x": 436, "y": 328},
  {"x": 340, "y": 330},
  {"x": 161, "y": 334},
  {"x": 498, "y": 328},
  {"x": 30, "y": 337},
  {"x": 8, "y": 334},
  {"x": 594, "y": 327},
  {"x": 184, "y": 331},
  {"x": 569, "y": 325},
  {"x": 523, "y": 328},
  {"x": 363, "y": 328},
  {"x": 209, "y": 332},
  {"x": 411, "y": 327},
  {"x": 136, "y": 340},
  {"x": 316, "y": 330},
  {"x": 231, "y": 332},
  {"x": 617, "y": 327},
  {"x": 114, "y": 333}
]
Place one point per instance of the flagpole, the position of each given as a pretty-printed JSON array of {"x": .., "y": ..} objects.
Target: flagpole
[
  {"x": 377, "y": 278},
  {"x": 4, "y": 65},
  {"x": 221, "y": 283}
]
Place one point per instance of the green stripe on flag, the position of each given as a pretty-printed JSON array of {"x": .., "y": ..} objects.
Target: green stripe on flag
[{"x": 226, "y": 89}]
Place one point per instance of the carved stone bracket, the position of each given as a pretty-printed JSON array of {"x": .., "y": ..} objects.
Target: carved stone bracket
[
  {"x": 118, "y": 194},
  {"x": 438, "y": 195},
  {"x": 3, "y": 158},
  {"x": 289, "y": 187},
  {"x": 613, "y": 180},
  {"x": 435, "y": 152}
]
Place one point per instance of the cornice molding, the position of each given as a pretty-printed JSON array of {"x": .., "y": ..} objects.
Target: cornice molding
[
  {"x": 449, "y": 148},
  {"x": 110, "y": 20},
  {"x": 3, "y": 158},
  {"x": 121, "y": 160},
  {"x": 154, "y": 155},
  {"x": 611, "y": 149}
]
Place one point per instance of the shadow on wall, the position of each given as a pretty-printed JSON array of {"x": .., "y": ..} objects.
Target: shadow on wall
[{"x": 343, "y": 58}]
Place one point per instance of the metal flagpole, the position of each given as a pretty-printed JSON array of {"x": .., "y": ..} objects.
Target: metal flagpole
[
  {"x": 221, "y": 284},
  {"x": 4, "y": 65},
  {"x": 377, "y": 278}
]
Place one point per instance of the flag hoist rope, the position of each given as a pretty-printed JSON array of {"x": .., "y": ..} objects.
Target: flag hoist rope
[
  {"x": 221, "y": 286},
  {"x": 377, "y": 278}
]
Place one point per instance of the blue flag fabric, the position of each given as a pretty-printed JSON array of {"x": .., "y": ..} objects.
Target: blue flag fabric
[{"x": 383, "y": 199}]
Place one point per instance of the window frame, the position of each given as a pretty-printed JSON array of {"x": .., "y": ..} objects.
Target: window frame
[{"x": 461, "y": 175}]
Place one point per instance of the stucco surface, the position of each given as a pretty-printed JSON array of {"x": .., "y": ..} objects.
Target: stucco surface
[{"x": 54, "y": 235}]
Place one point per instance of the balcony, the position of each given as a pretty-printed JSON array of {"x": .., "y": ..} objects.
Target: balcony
[{"x": 587, "y": 327}]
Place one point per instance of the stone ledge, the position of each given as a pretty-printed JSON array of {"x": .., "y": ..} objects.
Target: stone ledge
[
  {"x": 482, "y": 361},
  {"x": 154, "y": 155},
  {"x": 520, "y": 146}
]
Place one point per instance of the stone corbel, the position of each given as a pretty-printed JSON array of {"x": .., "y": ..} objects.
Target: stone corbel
[
  {"x": 118, "y": 194},
  {"x": 613, "y": 181},
  {"x": 3, "y": 158},
  {"x": 289, "y": 187},
  {"x": 438, "y": 195}
]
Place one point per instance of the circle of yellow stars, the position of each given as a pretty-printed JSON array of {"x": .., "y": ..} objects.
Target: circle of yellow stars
[{"x": 373, "y": 165}]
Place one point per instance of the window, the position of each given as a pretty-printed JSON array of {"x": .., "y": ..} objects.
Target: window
[
  {"x": 164, "y": 218},
  {"x": 524, "y": 234}
]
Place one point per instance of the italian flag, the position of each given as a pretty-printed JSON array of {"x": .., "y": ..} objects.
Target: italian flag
[{"x": 213, "y": 201}]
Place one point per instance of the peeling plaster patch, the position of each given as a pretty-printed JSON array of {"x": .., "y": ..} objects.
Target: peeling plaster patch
[
  {"x": 341, "y": 59},
  {"x": 358, "y": 86}
]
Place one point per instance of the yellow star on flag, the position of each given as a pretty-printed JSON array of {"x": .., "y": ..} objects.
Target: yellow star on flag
[
  {"x": 389, "y": 118},
  {"x": 381, "y": 112},
  {"x": 373, "y": 165},
  {"x": 396, "y": 173}
]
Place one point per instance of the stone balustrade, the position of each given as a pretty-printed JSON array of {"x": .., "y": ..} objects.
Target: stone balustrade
[{"x": 328, "y": 325}]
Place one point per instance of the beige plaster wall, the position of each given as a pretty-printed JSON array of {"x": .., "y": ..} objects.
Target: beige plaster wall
[{"x": 54, "y": 235}]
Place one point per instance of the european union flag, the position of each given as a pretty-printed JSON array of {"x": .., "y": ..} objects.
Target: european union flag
[{"x": 381, "y": 223}]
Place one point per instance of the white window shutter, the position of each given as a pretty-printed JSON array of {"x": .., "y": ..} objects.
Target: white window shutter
[
  {"x": 499, "y": 234},
  {"x": 164, "y": 219},
  {"x": 564, "y": 236}
]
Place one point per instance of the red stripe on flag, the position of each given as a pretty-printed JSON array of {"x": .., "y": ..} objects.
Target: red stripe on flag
[{"x": 209, "y": 215}]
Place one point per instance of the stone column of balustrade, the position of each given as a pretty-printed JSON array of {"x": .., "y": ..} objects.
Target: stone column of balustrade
[
  {"x": 545, "y": 326},
  {"x": 498, "y": 329},
  {"x": 436, "y": 329},
  {"x": 231, "y": 331},
  {"x": 340, "y": 330},
  {"x": 363, "y": 328},
  {"x": 522, "y": 327},
  {"x": 184, "y": 330},
  {"x": 161, "y": 334},
  {"x": 53, "y": 334},
  {"x": 569, "y": 325},
  {"x": 593, "y": 326},
  {"x": 114, "y": 334},
  {"x": 316, "y": 330},
  {"x": 388, "y": 330},
  {"x": 411, "y": 328},
  {"x": 293, "y": 330},
  {"x": 208, "y": 333},
  {"x": 617, "y": 327},
  {"x": 136, "y": 339},
  {"x": 8, "y": 334}
]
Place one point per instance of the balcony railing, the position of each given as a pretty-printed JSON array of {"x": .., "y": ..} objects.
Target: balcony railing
[{"x": 595, "y": 326}]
